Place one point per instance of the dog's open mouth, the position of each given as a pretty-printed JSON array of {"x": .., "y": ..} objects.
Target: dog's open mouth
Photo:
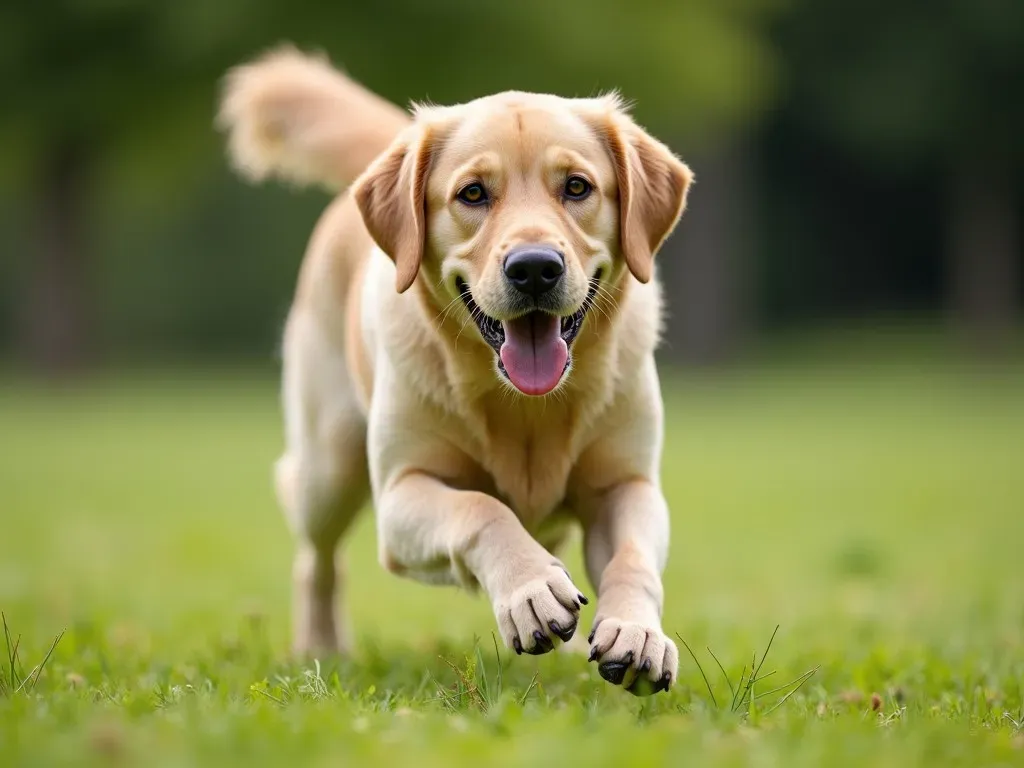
[{"x": 532, "y": 349}]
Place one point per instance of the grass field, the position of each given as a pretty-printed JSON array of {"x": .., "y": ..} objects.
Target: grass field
[{"x": 873, "y": 510}]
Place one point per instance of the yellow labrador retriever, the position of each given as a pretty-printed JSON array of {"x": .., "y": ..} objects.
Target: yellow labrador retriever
[{"x": 471, "y": 346}]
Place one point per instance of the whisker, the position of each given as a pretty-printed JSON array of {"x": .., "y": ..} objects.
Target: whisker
[
  {"x": 461, "y": 329},
  {"x": 606, "y": 292},
  {"x": 443, "y": 314},
  {"x": 601, "y": 305},
  {"x": 610, "y": 287},
  {"x": 602, "y": 299},
  {"x": 598, "y": 304}
]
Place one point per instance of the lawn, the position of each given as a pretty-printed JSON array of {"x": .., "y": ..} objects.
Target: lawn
[{"x": 870, "y": 507}]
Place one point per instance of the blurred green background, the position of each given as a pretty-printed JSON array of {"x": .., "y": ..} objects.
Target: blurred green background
[{"x": 857, "y": 162}]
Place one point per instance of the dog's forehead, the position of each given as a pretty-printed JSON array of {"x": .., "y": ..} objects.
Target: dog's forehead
[{"x": 520, "y": 126}]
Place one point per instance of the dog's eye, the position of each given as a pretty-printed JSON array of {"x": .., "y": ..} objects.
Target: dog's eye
[
  {"x": 577, "y": 188},
  {"x": 473, "y": 194}
]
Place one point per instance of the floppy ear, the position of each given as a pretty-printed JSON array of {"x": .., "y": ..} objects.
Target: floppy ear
[
  {"x": 653, "y": 184},
  {"x": 390, "y": 196}
]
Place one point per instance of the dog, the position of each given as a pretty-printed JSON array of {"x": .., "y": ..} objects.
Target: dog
[{"x": 470, "y": 346}]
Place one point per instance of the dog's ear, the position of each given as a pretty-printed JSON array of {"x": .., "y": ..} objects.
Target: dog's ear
[
  {"x": 653, "y": 184},
  {"x": 390, "y": 195}
]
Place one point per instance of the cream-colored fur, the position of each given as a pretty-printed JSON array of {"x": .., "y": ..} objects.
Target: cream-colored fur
[{"x": 391, "y": 394}]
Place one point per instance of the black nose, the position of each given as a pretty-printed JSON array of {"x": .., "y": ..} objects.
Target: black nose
[{"x": 534, "y": 270}]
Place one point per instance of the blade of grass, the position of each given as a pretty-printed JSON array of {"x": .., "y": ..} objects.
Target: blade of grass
[
  {"x": 748, "y": 699},
  {"x": 425, "y": 679},
  {"x": 807, "y": 676},
  {"x": 767, "y": 648},
  {"x": 725, "y": 674},
  {"x": 755, "y": 666},
  {"x": 270, "y": 696},
  {"x": 694, "y": 657},
  {"x": 750, "y": 688},
  {"x": 469, "y": 688},
  {"x": 46, "y": 658},
  {"x": 533, "y": 682},
  {"x": 749, "y": 685},
  {"x": 12, "y": 652},
  {"x": 15, "y": 662},
  {"x": 481, "y": 674},
  {"x": 764, "y": 656},
  {"x": 447, "y": 697},
  {"x": 442, "y": 694},
  {"x": 739, "y": 687},
  {"x": 783, "y": 687},
  {"x": 497, "y": 661}
]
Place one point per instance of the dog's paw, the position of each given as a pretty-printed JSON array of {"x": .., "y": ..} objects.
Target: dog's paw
[
  {"x": 638, "y": 657},
  {"x": 540, "y": 611}
]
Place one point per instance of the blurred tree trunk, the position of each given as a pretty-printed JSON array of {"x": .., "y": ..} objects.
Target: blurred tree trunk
[
  {"x": 57, "y": 335},
  {"x": 704, "y": 265},
  {"x": 984, "y": 248}
]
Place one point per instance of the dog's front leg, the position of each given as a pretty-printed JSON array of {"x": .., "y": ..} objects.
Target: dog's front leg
[
  {"x": 432, "y": 532},
  {"x": 626, "y": 544}
]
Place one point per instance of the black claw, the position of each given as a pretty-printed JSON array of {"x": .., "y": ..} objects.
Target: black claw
[
  {"x": 590, "y": 637},
  {"x": 646, "y": 666},
  {"x": 613, "y": 671},
  {"x": 664, "y": 683},
  {"x": 517, "y": 646},
  {"x": 566, "y": 634},
  {"x": 542, "y": 644},
  {"x": 593, "y": 652},
  {"x": 583, "y": 600}
]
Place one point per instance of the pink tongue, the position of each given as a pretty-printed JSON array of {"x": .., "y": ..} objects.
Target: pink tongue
[{"x": 534, "y": 352}]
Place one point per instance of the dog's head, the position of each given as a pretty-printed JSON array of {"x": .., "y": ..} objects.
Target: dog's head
[{"x": 524, "y": 208}]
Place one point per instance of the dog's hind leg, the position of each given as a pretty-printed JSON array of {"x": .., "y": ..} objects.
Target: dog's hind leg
[{"x": 322, "y": 481}]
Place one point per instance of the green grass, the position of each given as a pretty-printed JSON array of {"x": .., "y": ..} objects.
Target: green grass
[{"x": 874, "y": 511}]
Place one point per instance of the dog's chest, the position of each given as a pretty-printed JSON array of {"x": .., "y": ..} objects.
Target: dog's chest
[{"x": 530, "y": 460}]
